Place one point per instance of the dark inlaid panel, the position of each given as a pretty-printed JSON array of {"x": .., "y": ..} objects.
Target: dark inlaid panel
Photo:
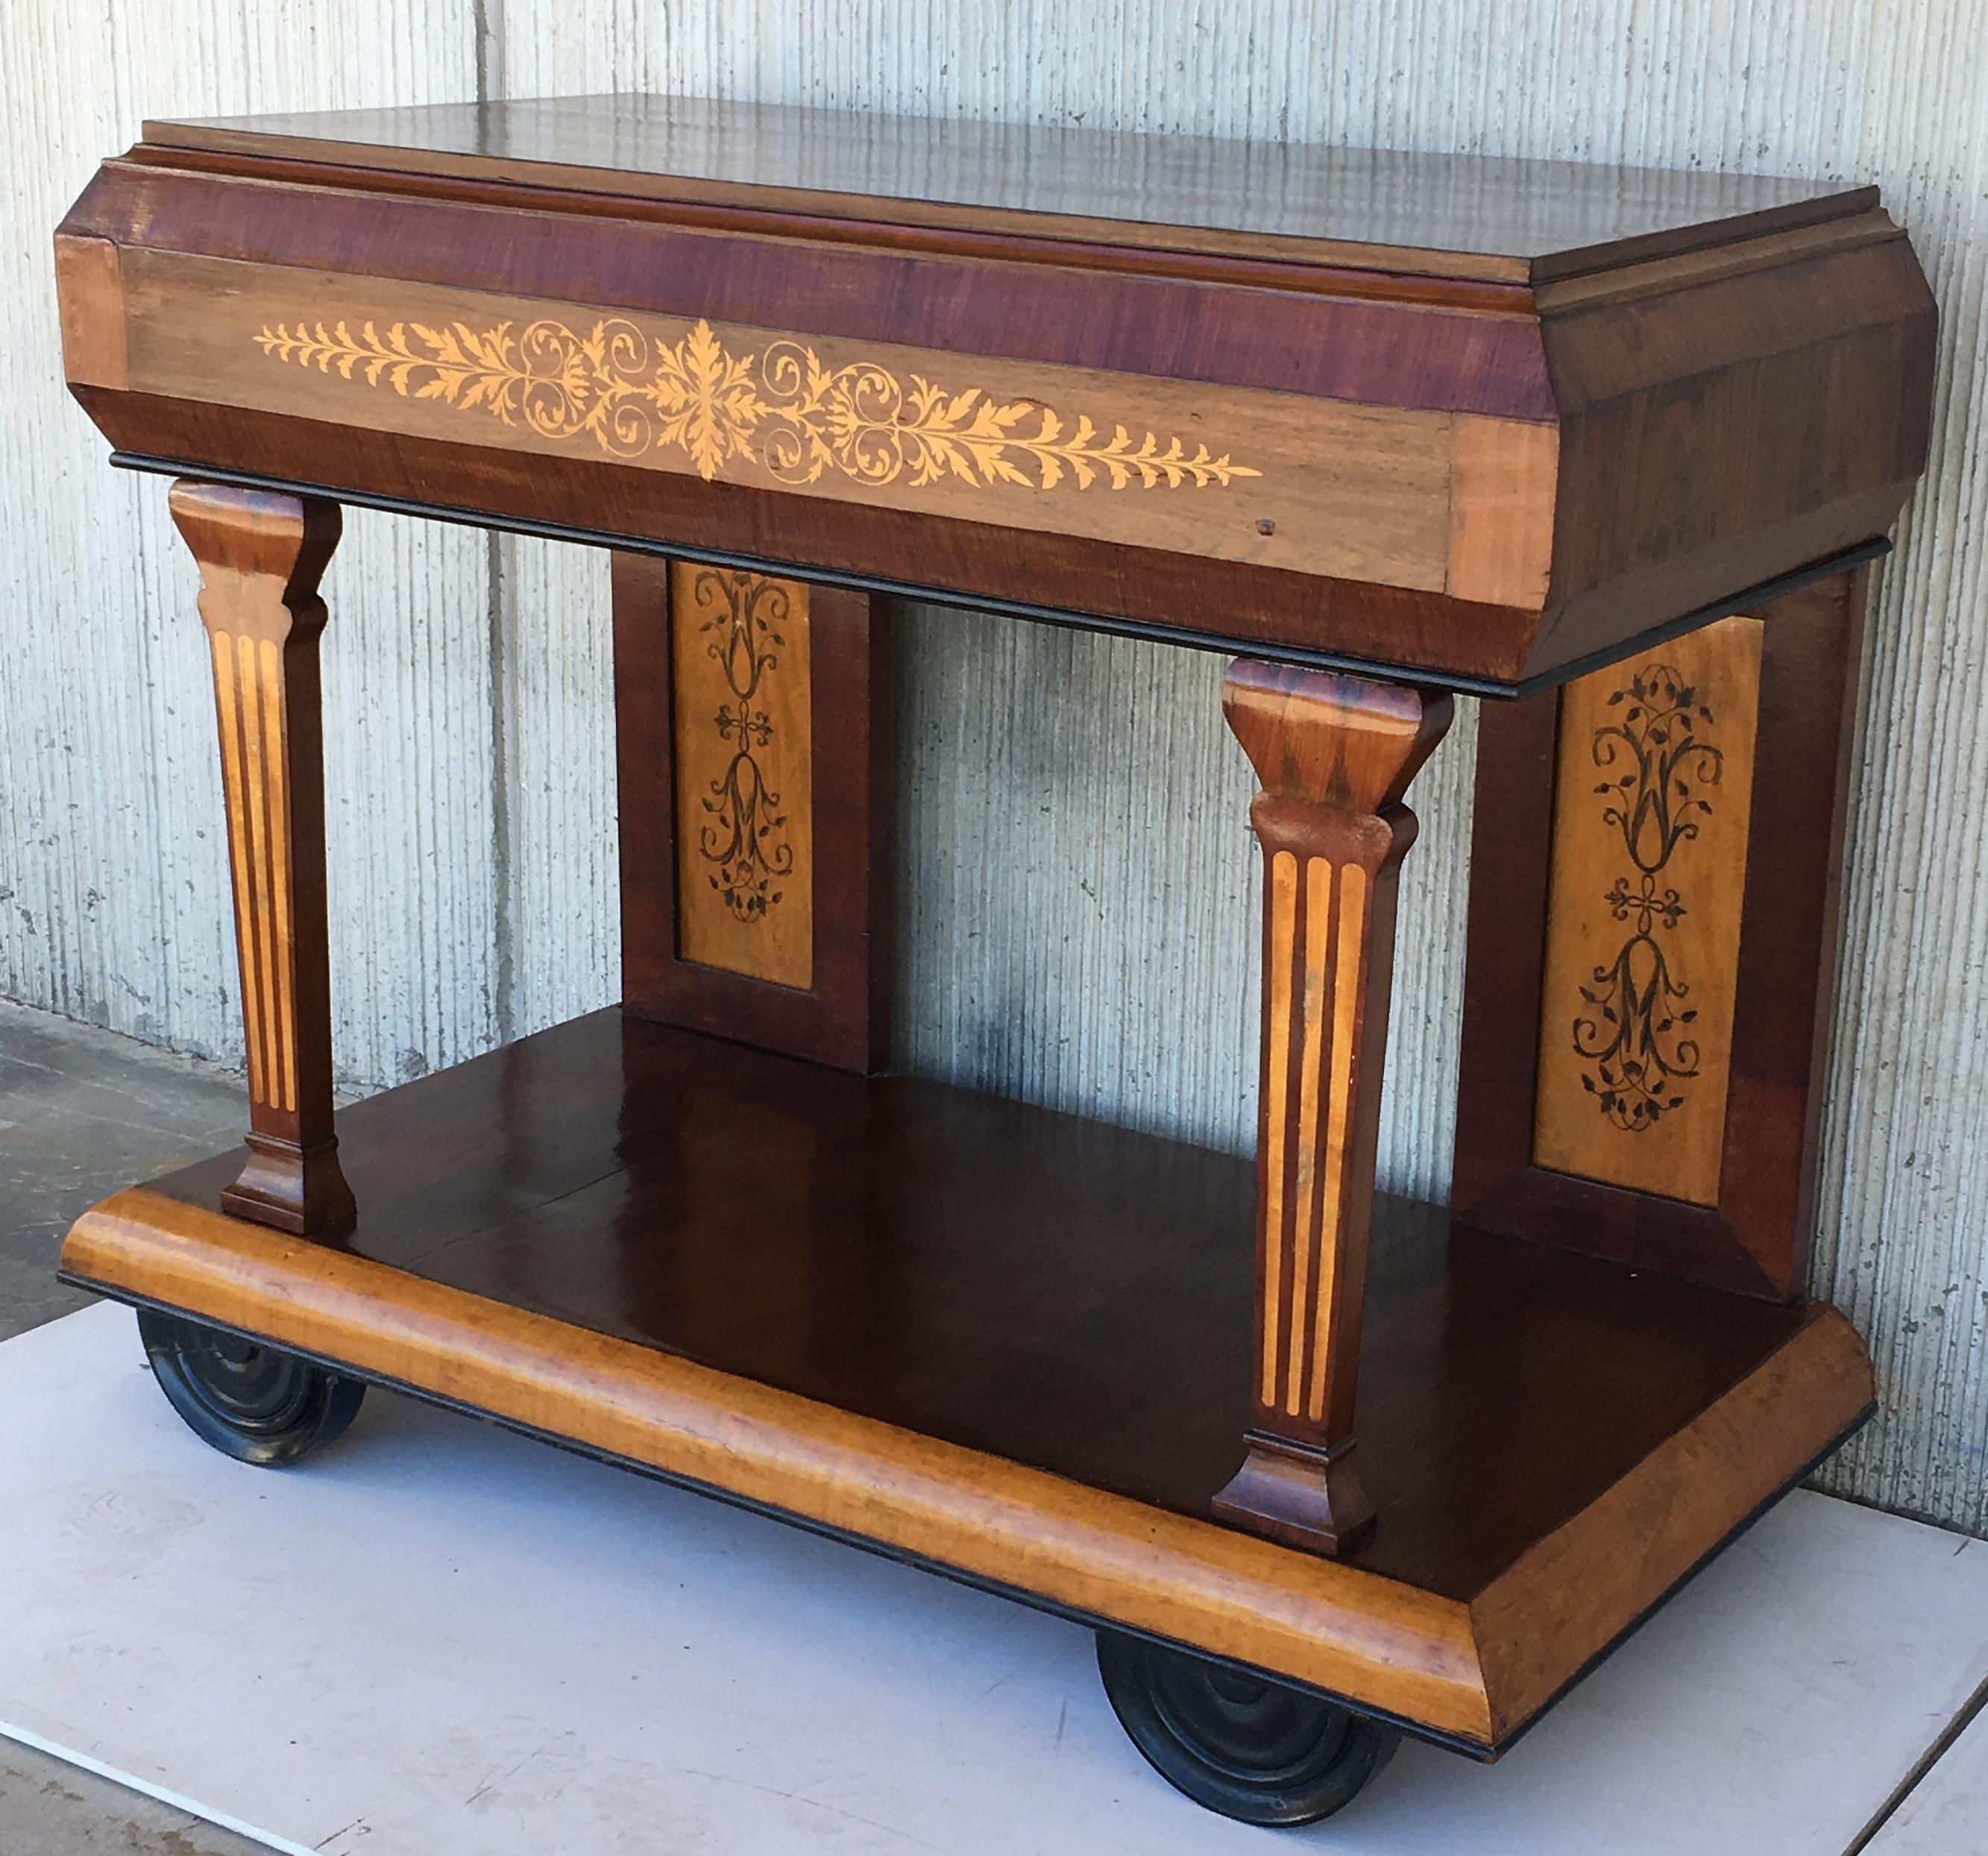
[{"x": 1067, "y": 1294}]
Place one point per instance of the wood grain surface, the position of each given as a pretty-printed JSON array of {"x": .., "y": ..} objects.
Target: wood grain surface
[
  {"x": 493, "y": 909},
  {"x": 91, "y": 297},
  {"x": 1454, "y": 215},
  {"x": 1816, "y": 351},
  {"x": 1574, "y": 1585},
  {"x": 1522, "y": 475},
  {"x": 1079, "y": 451},
  {"x": 1334, "y": 755},
  {"x": 807, "y": 973},
  {"x": 1375, "y": 337}
]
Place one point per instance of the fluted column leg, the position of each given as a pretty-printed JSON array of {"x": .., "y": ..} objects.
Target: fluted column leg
[
  {"x": 261, "y": 554},
  {"x": 1334, "y": 754}
]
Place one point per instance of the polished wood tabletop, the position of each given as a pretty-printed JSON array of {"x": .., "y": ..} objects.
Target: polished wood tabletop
[{"x": 1445, "y": 214}]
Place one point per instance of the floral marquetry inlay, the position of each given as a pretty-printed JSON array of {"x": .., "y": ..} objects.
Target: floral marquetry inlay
[
  {"x": 1637, "y": 1025},
  {"x": 744, "y": 836},
  {"x": 742, "y": 748},
  {"x": 1651, "y": 821},
  {"x": 781, "y": 408}
]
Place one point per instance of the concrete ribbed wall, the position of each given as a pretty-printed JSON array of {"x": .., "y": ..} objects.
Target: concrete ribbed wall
[{"x": 1076, "y": 882}]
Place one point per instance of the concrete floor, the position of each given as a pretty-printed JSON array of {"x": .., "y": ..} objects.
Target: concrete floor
[{"x": 83, "y": 1112}]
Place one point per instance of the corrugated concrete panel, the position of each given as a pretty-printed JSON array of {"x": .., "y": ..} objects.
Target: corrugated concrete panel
[
  {"x": 114, "y": 859},
  {"x": 1077, "y": 893},
  {"x": 558, "y": 940}
]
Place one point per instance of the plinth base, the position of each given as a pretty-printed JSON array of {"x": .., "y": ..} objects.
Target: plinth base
[{"x": 1015, "y": 1346}]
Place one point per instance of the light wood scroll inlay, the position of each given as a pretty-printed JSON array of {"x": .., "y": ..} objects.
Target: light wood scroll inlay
[
  {"x": 1335, "y": 754},
  {"x": 1177, "y": 465},
  {"x": 260, "y": 555},
  {"x": 630, "y": 390},
  {"x": 742, "y": 683},
  {"x": 1654, "y": 794}
]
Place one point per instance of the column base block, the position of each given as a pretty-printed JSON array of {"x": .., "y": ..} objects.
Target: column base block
[
  {"x": 287, "y": 1188},
  {"x": 1305, "y": 1498}
]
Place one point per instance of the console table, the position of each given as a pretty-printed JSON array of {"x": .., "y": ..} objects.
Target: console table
[{"x": 1607, "y": 448}]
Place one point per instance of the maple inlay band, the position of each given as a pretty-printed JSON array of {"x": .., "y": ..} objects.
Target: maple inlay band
[
  {"x": 782, "y": 408},
  {"x": 255, "y": 801},
  {"x": 1303, "y": 1217},
  {"x": 246, "y": 674},
  {"x": 1283, "y": 931},
  {"x": 283, "y": 919},
  {"x": 1352, "y": 931},
  {"x": 221, "y": 645},
  {"x": 1304, "y": 1237}
]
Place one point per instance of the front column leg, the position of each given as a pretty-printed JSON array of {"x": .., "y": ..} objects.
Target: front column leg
[
  {"x": 260, "y": 555},
  {"x": 1335, "y": 754}
]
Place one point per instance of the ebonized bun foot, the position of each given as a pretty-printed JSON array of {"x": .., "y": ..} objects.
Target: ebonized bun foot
[
  {"x": 248, "y": 1400},
  {"x": 1239, "y": 1744}
]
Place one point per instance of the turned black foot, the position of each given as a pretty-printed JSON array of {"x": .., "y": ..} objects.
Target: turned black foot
[
  {"x": 248, "y": 1400},
  {"x": 1239, "y": 1744}
]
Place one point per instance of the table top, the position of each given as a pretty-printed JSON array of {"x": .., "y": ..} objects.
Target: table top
[
  {"x": 1453, "y": 215},
  {"x": 1479, "y": 421}
]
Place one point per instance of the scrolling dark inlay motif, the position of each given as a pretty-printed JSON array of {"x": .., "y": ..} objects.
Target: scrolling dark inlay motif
[
  {"x": 1636, "y": 1039},
  {"x": 743, "y": 837}
]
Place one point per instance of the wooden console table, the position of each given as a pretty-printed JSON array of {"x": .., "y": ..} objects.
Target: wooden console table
[{"x": 1608, "y": 448}]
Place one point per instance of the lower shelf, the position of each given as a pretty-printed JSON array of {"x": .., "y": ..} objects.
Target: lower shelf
[{"x": 1015, "y": 1344}]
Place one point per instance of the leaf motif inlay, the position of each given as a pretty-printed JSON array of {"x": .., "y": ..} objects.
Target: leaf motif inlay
[{"x": 783, "y": 410}]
